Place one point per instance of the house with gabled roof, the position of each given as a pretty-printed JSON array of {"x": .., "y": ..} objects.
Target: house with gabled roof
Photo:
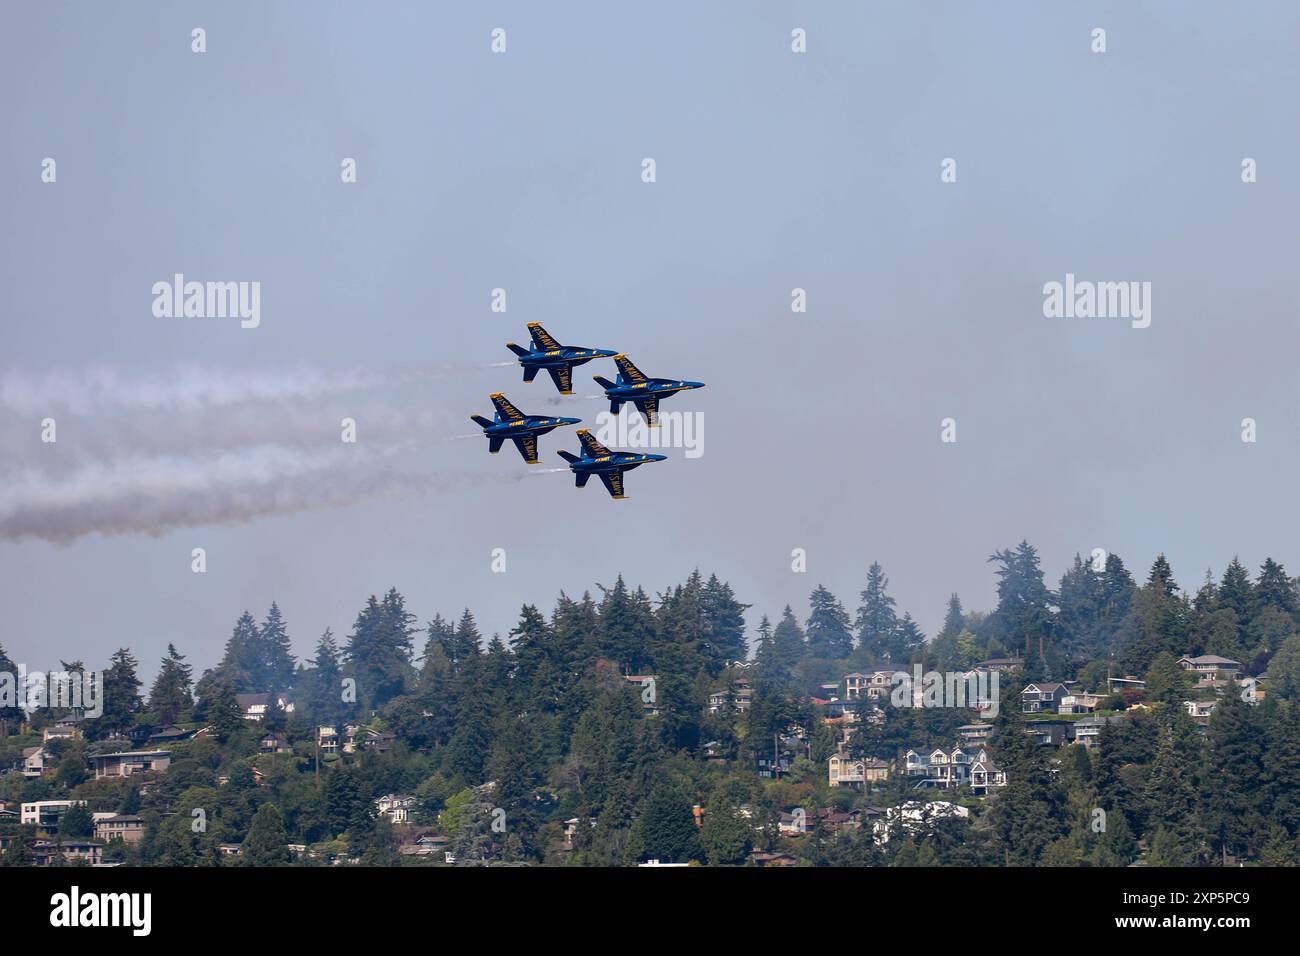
[
  {"x": 986, "y": 775},
  {"x": 1039, "y": 697},
  {"x": 844, "y": 770}
]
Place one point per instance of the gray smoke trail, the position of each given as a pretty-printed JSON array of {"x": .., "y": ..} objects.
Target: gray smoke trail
[
  {"x": 154, "y": 496},
  {"x": 195, "y": 446},
  {"x": 100, "y": 390}
]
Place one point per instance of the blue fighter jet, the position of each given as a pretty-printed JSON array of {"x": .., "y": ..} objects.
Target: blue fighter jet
[
  {"x": 632, "y": 386},
  {"x": 557, "y": 359},
  {"x": 510, "y": 422},
  {"x": 609, "y": 465}
]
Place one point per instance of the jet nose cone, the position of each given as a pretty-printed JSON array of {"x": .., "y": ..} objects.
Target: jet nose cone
[
  {"x": 570, "y": 421},
  {"x": 606, "y": 353},
  {"x": 694, "y": 384},
  {"x": 656, "y": 457}
]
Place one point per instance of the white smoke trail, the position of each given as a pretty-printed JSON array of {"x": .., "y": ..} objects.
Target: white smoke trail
[
  {"x": 157, "y": 495},
  {"x": 199, "y": 446}
]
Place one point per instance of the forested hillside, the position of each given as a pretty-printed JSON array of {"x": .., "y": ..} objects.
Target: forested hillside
[{"x": 608, "y": 730}]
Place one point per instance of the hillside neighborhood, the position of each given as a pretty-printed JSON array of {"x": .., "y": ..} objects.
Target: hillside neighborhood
[{"x": 1102, "y": 729}]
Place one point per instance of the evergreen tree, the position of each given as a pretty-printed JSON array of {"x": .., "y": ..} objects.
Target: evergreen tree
[
  {"x": 266, "y": 844},
  {"x": 1025, "y": 618},
  {"x": 906, "y": 642},
  {"x": 627, "y": 627},
  {"x": 944, "y": 649},
  {"x": 274, "y": 657},
  {"x": 239, "y": 665},
  {"x": 876, "y": 621},
  {"x": 666, "y": 825},
  {"x": 725, "y": 622},
  {"x": 788, "y": 647},
  {"x": 121, "y": 694},
  {"x": 1274, "y": 589},
  {"x": 379, "y": 648},
  {"x": 828, "y": 627},
  {"x": 1231, "y": 798},
  {"x": 325, "y": 684},
  {"x": 226, "y": 715},
  {"x": 170, "y": 695}
]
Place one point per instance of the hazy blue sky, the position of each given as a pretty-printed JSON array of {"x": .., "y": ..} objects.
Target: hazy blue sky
[{"x": 522, "y": 171}]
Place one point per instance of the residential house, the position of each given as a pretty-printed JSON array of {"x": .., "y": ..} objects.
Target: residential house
[
  {"x": 44, "y": 814},
  {"x": 1036, "y": 698},
  {"x": 832, "y": 820},
  {"x": 62, "y": 730},
  {"x": 846, "y": 771},
  {"x": 36, "y": 762},
  {"x": 1117, "y": 684},
  {"x": 1078, "y": 702},
  {"x": 916, "y": 763},
  {"x": 792, "y": 824},
  {"x": 1051, "y": 733},
  {"x": 776, "y": 763},
  {"x": 333, "y": 741},
  {"x": 1088, "y": 731},
  {"x": 275, "y": 743},
  {"x": 986, "y": 775},
  {"x": 378, "y": 741},
  {"x": 949, "y": 768},
  {"x": 1200, "y": 710},
  {"x": 255, "y": 706},
  {"x": 974, "y": 734},
  {"x": 1210, "y": 666},
  {"x": 125, "y": 827},
  {"x": 130, "y": 763},
  {"x": 50, "y": 852},
  {"x": 398, "y": 808},
  {"x": 428, "y": 844},
  {"x": 872, "y": 685}
]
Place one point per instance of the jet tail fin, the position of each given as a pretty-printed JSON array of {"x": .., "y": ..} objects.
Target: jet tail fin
[
  {"x": 604, "y": 382},
  {"x": 568, "y": 456},
  {"x": 517, "y": 349},
  {"x": 485, "y": 422}
]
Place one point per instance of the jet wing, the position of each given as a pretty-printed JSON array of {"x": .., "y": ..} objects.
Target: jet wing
[
  {"x": 590, "y": 447},
  {"x": 527, "y": 445},
  {"x": 563, "y": 378},
  {"x": 631, "y": 373},
  {"x": 507, "y": 411},
  {"x": 614, "y": 482},
  {"x": 649, "y": 407},
  {"x": 545, "y": 341}
]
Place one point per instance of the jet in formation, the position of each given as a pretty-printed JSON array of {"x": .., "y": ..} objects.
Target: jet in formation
[
  {"x": 510, "y": 423},
  {"x": 598, "y": 460},
  {"x": 645, "y": 393},
  {"x": 557, "y": 359}
]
